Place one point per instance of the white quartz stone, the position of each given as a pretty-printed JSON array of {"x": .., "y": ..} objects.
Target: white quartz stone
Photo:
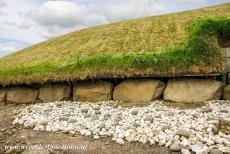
[
  {"x": 185, "y": 151},
  {"x": 97, "y": 120}
]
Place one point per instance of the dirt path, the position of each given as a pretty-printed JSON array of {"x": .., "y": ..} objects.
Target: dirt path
[{"x": 17, "y": 136}]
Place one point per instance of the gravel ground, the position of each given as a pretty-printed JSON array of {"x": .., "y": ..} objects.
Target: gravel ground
[
  {"x": 190, "y": 130},
  {"x": 15, "y": 135}
]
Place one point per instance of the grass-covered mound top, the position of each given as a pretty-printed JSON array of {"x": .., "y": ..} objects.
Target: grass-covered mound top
[{"x": 184, "y": 43}]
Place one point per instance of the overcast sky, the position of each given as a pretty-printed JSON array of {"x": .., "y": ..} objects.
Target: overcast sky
[{"x": 27, "y": 22}]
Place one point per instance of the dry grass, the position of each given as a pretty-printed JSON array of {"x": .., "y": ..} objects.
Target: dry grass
[{"x": 146, "y": 35}]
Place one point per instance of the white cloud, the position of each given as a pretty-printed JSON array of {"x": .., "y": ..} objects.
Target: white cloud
[
  {"x": 58, "y": 13},
  {"x": 25, "y": 25},
  {"x": 52, "y": 18},
  {"x": 10, "y": 47},
  {"x": 118, "y": 10},
  {"x": 2, "y": 4},
  {"x": 14, "y": 16},
  {"x": 58, "y": 17},
  {"x": 9, "y": 23},
  {"x": 189, "y": 2},
  {"x": 2, "y": 13},
  {"x": 36, "y": 20}
]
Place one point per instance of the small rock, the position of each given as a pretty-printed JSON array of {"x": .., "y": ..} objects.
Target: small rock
[
  {"x": 171, "y": 114},
  {"x": 149, "y": 118},
  {"x": 175, "y": 147},
  {"x": 72, "y": 120},
  {"x": 211, "y": 118},
  {"x": 72, "y": 133},
  {"x": 184, "y": 142},
  {"x": 43, "y": 123},
  {"x": 107, "y": 116},
  {"x": 96, "y": 137},
  {"x": 63, "y": 119},
  {"x": 134, "y": 112},
  {"x": 14, "y": 130},
  {"x": 165, "y": 127},
  {"x": 102, "y": 126},
  {"x": 216, "y": 151},
  {"x": 16, "y": 112},
  {"x": 46, "y": 111},
  {"x": 200, "y": 138},
  {"x": 215, "y": 130},
  {"x": 29, "y": 125},
  {"x": 88, "y": 115},
  {"x": 84, "y": 110},
  {"x": 224, "y": 111},
  {"x": 195, "y": 115},
  {"x": 106, "y": 143},
  {"x": 196, "y": 148},
  {"x": 158, "y": 109},
  {"x": 120, "y": 141},
  {"x": 93, "y": 117},
  {"x": 185, "y": 151},
  {"x": 136, "y": 125},
  {"x": 30, "y": 110},
  {"x": 3, "y": 129},
  {"x": 206, "y": 109},
  {"x": 210, "y": 142},
  {"x": 225, "y": 149},
  {"x": 182, "y": 132},
  {"x": 117, "y": 119},
  {"x": 97, "y": 108},
  {"x": 97, "y": 112},
  {"x": 182, "y": 112},
  {"x": 59, "y": 105}
]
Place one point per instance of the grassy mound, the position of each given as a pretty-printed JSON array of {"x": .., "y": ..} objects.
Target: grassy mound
[{"x": 185, "y": 43}]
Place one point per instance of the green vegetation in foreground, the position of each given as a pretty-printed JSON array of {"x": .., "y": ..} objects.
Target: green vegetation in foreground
[{"x": 196, "y": 44}]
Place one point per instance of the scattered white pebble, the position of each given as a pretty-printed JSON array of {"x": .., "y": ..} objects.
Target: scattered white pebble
[
  {"x": 185, "y": 151},
  {"x": 154, "y": 124}
]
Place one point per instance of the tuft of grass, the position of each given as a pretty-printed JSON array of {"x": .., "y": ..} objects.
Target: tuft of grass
[{"x": 168, "y": 44}]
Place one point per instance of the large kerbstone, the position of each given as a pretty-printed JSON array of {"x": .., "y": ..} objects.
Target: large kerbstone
[
  {"x": 193, "y": 90},
  {"x": 52, "y": 93},
  {"x": 22, "y": 95},
  {"x": 226, "y": 94},
  {"x": 143, "y": 90},
  {"x": 3, "y": 93},
  {"x": 93, "y": 91}
]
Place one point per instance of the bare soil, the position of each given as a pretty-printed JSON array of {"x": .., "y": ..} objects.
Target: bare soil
[{"x": 11, "y": 135}]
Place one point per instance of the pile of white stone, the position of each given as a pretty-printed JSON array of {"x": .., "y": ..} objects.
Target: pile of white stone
[{"x": 180, "y": 130}]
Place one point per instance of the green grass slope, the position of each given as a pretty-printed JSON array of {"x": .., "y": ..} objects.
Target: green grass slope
[{"x": 184, "y": 43}]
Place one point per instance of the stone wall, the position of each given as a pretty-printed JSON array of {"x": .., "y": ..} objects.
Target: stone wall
[
  {"x": 193, "y": 90},
  {"x": 58, "y": 92},
  {"x": 22, "y": 95},
  {"x": 144, "y": 90},
  {"x": 93, "y": 91},
  {"x": 132, "y": 90}
]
